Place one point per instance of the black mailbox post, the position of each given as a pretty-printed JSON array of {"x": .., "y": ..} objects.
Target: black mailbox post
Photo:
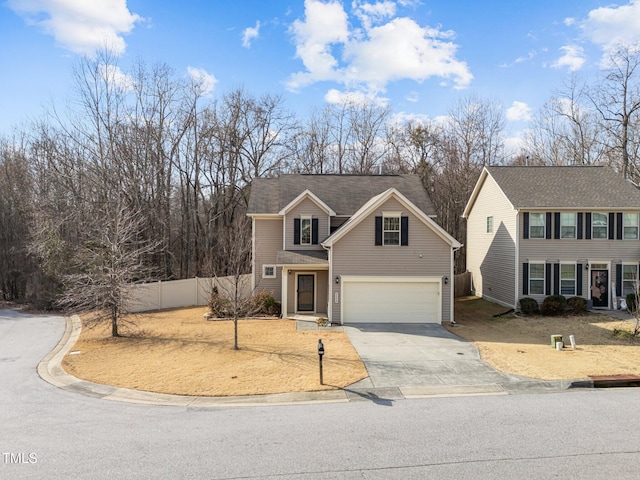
[{"x": 320, "y": 354}]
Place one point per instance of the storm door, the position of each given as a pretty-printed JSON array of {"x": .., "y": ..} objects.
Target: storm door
[
  {"x": 306, "y": 292},
  {"x": 600, "y": 288}
]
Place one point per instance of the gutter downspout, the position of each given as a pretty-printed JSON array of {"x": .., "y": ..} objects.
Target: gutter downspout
[{"x": 452, "y": 289}]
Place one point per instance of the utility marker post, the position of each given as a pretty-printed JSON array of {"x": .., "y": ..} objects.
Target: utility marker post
[{"x": 320, "y": 354}]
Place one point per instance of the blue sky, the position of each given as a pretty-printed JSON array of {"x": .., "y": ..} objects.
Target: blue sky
[{"x": 418, "y": 57}]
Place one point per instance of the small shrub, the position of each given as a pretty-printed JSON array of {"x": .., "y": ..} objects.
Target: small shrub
[
  {"x": 552, "y": 308},
  {"x": 219, "y": 305},
  {"x": 529, "y": 306},
  {"x": 263, "y": 303},
  {"x": 631, "y": 302},
  {"x": 577, "y": 305},
  {"x": 561, "y": 299}
]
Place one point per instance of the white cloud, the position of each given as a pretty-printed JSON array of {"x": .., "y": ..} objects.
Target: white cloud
[
  {"x": 573, "y": 58},
  {"x": 613, "y": 25},
  {"x": 335, "y": 96},
  {"x": 413, "y": 97},
  {"x": 569, "y": 21},
  {"x": 518, "y": 111},
  {"x": 249, "y": 34},
  {"x": 385, "y": 49},
  {"x": 113, "y": 74},
  {"x": 203, "y": 81},
  {"x": 79, "y": 25}
]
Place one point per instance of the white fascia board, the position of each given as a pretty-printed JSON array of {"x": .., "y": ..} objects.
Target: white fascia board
[{"x": 312, "y": 196}]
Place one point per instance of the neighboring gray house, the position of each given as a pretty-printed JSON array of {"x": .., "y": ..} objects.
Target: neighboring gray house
[
  {"x": 355, "y": 248},
  {"x": 536, "y": 231}
]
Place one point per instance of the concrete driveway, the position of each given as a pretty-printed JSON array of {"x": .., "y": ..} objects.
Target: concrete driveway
[{"x": 421, "y": 358}]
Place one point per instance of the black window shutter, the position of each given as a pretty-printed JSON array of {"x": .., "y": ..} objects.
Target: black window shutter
[
  {"x": 404, "y": 231},
  {"x": 579, "y": 279},
  {"x": 525, "y": 227},
  {"x": 587, "y": 230},
  {"x": 525, "y": 279},
  {"x": 618, "y": 280},
  {"x": 556, "y": 221},
  {"x": 612, "y": 230},
  {"x": 296, "y": 231},
  {"x": 579, "y": 233},
  {"x": 619, "y": 226},
  {"x": 556, "y": 279},
  {"x": 547, "y": 226},
  {"x": 378, "y": 230},
  {"x": 547, "y": 279},
  {"x": 314, "y": 231}
]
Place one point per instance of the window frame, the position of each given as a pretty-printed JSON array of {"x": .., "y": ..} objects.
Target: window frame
[
  {"x": 533, "y": 215},
  {"x": 564, "y": 225},
  {"x": 625, "y": 291},
  {"x": 303, "y": 220},
  {"x": 574, "y": 279},
  {"x": 605, "y": 227},
  {"x": 537, "y": 279},
  {"x": 636, "y": 227},
  {"x": 490, "y": 224},
  {"x": 264, "y": 271},
  {"x": 385, "y": 230}
]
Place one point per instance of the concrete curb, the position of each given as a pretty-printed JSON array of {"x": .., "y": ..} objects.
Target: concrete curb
[{"x": 50, "y": 370}]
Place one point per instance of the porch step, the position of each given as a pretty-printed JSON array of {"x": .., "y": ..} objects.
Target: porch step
[{"x": 610, "y": 381}]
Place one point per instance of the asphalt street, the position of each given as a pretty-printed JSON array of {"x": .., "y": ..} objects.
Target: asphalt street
[{"x": 53, "y": 433}]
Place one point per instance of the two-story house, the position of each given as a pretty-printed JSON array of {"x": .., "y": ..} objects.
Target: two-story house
[
  {"x": 537, "y": 231},
  {"x": 354, "y": 248}
]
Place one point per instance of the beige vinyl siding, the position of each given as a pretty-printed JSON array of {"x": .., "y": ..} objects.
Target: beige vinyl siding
[
  {"x": 306, "y": 207},
  {"x": 268, "y": 240},
  {"x": 426, "y": 255},
  {"x": 578, "y": 251},
  {"x": 491, "y": 256}
]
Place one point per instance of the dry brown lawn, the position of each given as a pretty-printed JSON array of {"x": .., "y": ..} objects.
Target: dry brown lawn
[
  {"x": 522, "y": 345},
  {"x": 178, "y": 352}
]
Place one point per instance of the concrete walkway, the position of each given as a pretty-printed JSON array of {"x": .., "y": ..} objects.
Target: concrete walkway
[{"x": 404, "y": 361}]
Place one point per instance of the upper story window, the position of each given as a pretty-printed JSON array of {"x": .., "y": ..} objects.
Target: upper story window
[
  {"x": 630, "y": 226},
  {"x": 391, "y": 230},
  {"x": 536, "y": 225},
  {"x": 305, "y": 230},
  {"x": 489, "y": 224},
  {"x": 568, "y": 225},
  {"x": 600, "y": 225}
]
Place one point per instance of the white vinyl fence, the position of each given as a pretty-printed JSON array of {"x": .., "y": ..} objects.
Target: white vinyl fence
[{"x": 182, "y": 293}]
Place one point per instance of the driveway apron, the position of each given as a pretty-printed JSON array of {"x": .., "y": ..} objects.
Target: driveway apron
[{"x": 419, "y": 355}]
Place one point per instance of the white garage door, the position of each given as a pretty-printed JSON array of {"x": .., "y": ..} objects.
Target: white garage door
[{"x": 396, "y": 300}]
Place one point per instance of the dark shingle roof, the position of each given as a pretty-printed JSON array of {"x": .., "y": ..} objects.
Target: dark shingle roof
[
  {"x": 344, "y": 194},
  {"x": 588, "y": 187}
]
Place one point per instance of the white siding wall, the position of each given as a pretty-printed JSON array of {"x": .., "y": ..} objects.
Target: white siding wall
[
  {"x": 491, "y": 256},
  {"x": 426, "y": 255}
]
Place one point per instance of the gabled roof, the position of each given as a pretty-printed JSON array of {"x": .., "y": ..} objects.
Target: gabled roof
[
  {"x": 575, "y": 187},
  {"x": 377, "y": 201},
  {"x": 307, "y": 194},
  {"x": 344, "y": 194}
]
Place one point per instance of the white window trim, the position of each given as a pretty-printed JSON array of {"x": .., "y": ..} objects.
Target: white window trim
[
  {"x": 397, "y": 215},
  {"x": 264, "y": 271},
  {"x": 544, "y": 280},
  {"x": 622, "y": 273},
  {"x": 302, "y": 219},
  {"x": 575, "y": 279},
  {"x": 490, "y": 224},
  {"x": 636, "y": 226},
  {"x": 544, "y": 224},
  {"x": 606, "y": 226},
  {"x": 574, "y": 225}
]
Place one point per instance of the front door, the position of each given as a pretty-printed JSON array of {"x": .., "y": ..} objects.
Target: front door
[
  {"x": 600, "y": 288},
  {"x": 306, "y": 293}
]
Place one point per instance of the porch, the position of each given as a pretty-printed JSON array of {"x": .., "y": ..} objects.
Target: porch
[{"x": 305, "y": 283}]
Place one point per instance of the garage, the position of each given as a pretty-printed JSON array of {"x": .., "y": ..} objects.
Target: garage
[{"x": 391, "y": 299}]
